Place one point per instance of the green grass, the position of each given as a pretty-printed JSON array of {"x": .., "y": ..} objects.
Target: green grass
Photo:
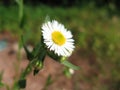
[{"x": 95, "y": 30}]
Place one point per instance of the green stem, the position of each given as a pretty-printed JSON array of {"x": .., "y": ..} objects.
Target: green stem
[{"x": 27, "y": 70}]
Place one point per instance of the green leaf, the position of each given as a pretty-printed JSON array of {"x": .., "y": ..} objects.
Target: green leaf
[
  {"x": 1, "y": 84},
  {"x": 23, "y": 21},
  {"x": 53, "y": 55},
  {"x": 42, "y": 55},
  {"x": 20, "y": 5},
  {"x": 1, "y": 75},
  {"x": 70, "y": 65},
  {"x": 22, "y": 83},
  {"x": 39, "y": 50},
  {"x": 36, "y": 50},
  {"x": 29, "y": 54},
  {"x": 49, "y": 80},
  {"x": 35, "y": 71}
]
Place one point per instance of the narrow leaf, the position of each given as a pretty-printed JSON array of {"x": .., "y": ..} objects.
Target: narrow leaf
[
  {"x": 29, "y": 54},
  {"x": 70, "y": 65},
  {"x": 22, "y": 83},
  {"x": 36, "y": 50}
]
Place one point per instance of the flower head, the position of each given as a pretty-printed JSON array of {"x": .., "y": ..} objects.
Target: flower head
[{"x": 57, "y": 38}]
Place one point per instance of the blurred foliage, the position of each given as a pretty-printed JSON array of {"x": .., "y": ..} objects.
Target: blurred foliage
[
  {"x": 1, "y": 84},
  {"x": 67, "y": 3},
  {"x": 96, "y": 30}
]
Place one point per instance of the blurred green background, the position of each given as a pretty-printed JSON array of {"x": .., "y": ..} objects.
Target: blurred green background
[{"x": 95, "y": 25}]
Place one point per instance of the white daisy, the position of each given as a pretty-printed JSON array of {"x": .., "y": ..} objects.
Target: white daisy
[{"x": 57, "y": 38}]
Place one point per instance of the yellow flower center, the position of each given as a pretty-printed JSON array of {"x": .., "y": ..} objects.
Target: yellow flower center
[{"x": 58, "y": 38}]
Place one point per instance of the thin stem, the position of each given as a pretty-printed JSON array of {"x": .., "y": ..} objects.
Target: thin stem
[{"x": 27, "y": 70}]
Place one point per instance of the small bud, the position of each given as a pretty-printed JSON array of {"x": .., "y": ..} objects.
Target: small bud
[{"x": 71, "y": 71}]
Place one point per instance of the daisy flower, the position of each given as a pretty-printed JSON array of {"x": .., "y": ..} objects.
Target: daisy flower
[{"x": 57, "y": 38}]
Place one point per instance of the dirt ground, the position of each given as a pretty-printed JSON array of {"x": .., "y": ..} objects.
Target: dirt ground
[{"x": 83, "y": 79}]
